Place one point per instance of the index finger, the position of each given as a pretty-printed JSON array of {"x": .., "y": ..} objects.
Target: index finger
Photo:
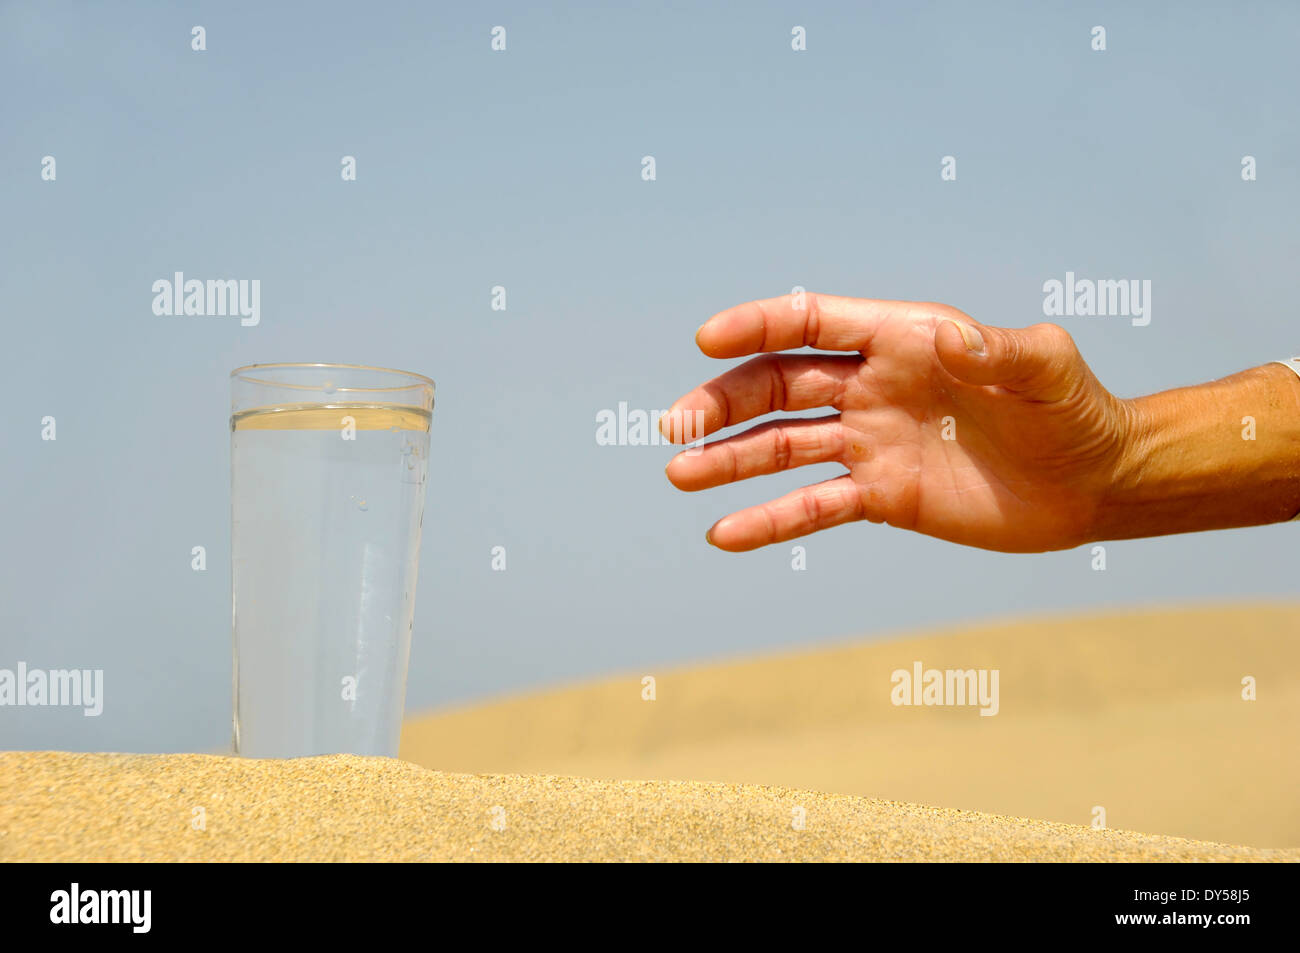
[{"x": 797, "y": 320}]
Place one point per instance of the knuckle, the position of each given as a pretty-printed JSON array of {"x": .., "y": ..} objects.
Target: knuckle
[
  {"x": 1053, "y": 338},
  {"x": 782, "y": 448},
  {"x": 938, "y": 310},
  {"x": 732, "y": 465},
  {"x": 813, "y": 320},
  {"x": 1057, "y": 352},
  {"x": 777, "y": 383},
  {"x": 812, "y": 507},
  {"x": 832, "y": 441},
  {"x": 1015, "y": 349}
]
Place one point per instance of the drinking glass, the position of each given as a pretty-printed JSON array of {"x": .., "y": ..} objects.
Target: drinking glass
[{"x": 328, "y": 468}]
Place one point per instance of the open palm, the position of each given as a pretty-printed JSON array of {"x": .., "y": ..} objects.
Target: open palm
[{"x": 993, "y": 437}]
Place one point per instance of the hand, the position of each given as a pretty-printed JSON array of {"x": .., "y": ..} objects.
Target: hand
[{"x": 992, "y": 437}]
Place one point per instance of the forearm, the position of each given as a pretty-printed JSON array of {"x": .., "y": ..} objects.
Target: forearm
[{"x": 1190, "y": 463}]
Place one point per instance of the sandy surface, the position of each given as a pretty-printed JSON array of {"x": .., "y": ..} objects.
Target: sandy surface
[
  {"x": 111, "y": 807},
  {"x": 1138, "y": 713}
]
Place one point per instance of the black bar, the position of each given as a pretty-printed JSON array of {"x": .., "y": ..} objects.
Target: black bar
[{"x": 968, "y": 902}]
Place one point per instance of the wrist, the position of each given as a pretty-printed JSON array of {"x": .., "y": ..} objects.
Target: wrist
[{"x": 1215, "y": 456}]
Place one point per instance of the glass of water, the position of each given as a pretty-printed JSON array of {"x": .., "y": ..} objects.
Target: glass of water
[{"x": 328, "y": 467}]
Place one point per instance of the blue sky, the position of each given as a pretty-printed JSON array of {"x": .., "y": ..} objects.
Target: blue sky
[{"x": 522, "y": 169}]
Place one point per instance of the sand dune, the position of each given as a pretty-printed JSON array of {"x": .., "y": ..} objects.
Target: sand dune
[
  {"x": 1138, "y": 713},
  {"x": 111, "y": 807}
]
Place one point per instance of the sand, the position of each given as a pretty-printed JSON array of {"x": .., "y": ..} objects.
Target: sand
[
  {"x": 57, "y": 806},
  {"x": 1139, "y": 713}
]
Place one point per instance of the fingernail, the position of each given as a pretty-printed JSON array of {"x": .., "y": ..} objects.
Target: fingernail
[
  {"x": 664, "y": 418},
  {"x": 708, "y": 536},
  {"x": 970, "y": 336}
]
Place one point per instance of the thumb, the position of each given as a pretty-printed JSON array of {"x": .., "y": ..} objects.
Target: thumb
[{"x": 1039, "y": 362}]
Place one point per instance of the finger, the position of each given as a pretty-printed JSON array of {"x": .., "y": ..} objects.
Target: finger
[
  {"x": 768, "y": 448},
  {"x": 801, "y": 320},
  {"x": 804, "y": 511},
  {"x": 757, "y": 387},
  {"x": 1039, "y": 362}
]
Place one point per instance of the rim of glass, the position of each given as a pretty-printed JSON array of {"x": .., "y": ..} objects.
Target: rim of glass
[{"x": 416, "y": 380}]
